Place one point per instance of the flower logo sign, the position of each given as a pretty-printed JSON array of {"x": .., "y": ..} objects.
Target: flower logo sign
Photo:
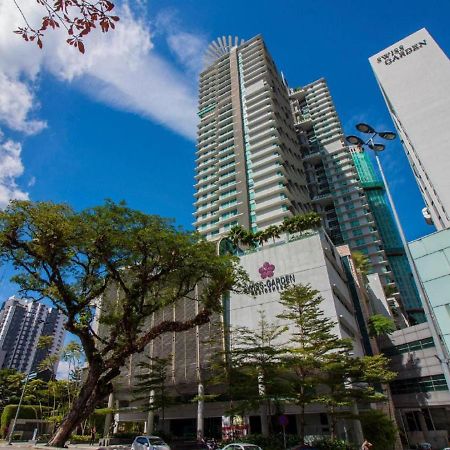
[{"x": 266, "y": 270}]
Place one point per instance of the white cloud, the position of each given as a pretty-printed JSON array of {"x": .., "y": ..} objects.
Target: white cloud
[
  {"x": 16, "y": 103},
  {"x": 120, "y": 68},
  {"x": 11, "y": 167},
  {"x": 189, "y": 49}
]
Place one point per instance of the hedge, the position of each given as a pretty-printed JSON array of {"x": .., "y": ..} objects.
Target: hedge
[{"x": 26, "y": 412}]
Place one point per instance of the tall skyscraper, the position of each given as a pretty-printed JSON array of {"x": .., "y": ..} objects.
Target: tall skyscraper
[
  {"x": 414, "y": 78},
  {"x": 346, "y": 190},
  {"x": 249, "y": 168},
  {"x": 22, "y": 323},
  {"x": 266, "y": 152}
]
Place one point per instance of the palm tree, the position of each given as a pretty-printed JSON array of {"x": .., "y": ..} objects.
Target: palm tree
[
  {"x": 237, "y": 234},
  {"x": 301, "y": 222},
  {"x": 273, "y": 232}
]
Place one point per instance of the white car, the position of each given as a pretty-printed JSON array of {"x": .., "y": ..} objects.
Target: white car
[
  {"x": 149, "y": 443},
  {"x": 241, "y": 446}
]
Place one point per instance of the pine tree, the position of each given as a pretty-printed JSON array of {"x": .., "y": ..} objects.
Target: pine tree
[
  {"x": 257, "y": 352},
  {"x": 152, "y": 386},
  {"x": 312, "y": 339},
  {"x": 350, "y": 379}
]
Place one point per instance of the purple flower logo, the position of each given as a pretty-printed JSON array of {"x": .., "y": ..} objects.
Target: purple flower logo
[{"x": 267, "y": 270}]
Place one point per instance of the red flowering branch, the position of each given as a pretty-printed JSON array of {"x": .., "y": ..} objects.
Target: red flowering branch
[{"x": 78, "y": 17}]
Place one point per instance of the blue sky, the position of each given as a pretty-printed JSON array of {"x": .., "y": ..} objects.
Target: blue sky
[{"x": 119, "y": 122}]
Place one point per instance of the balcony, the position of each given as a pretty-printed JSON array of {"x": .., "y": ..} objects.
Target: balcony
[
  {"x": 322, "y": 199},
  {"x": 297, "y": 93},
  {"x": 312, "y": 156},
  {"x": 303, "y": 121}
]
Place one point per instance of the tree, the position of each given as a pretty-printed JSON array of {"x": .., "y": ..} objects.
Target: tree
[
  {"x": 73, "y": 354},
  {"x": 10, "y": 387},
  {"x": 272, "y": 232},
  {"x": 48, "y": 362},
  {"x": 152, "y": 385},
  {"x": 379, "y": 325},
  {"x": 378, "y": 428},
  {"x": 362, "y": 264},
  {"x": 257, "y": 352},
  {"x": 301, "y": 222},
  {"x": 45, "y": 342},
  {"x": 71, "y": 258},
  {"x": 237, "y": 234},
  {"x": 78, "y": 17},
  {"x": 311, "y": 342},
  {"x": 295, "y": 224},
  {"x": 350, "y": 379}
]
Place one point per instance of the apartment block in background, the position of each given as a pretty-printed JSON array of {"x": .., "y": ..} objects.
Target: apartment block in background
[{"x": 22, "y": 323}]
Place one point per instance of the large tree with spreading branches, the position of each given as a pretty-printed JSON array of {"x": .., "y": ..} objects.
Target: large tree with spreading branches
[{"x": 71, "y": 258}]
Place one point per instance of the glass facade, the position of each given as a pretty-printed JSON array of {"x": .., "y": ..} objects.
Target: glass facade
[
  {"x": 393, "y": 247},
  {"x": 431, "y": 255}
]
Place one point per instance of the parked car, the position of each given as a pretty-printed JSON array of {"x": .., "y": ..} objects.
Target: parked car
[
  {"x": 241, "y": 446},
  {"x": 424, "y": 446},
  {"x": 149, "y": 443}
]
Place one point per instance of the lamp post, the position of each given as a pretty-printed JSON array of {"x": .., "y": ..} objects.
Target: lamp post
[{"x": 377, "y": 148}]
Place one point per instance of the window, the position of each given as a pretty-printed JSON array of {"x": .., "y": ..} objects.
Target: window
[
  {"x": 409, "y": 347},
  {"x": 422, "y": 384}
]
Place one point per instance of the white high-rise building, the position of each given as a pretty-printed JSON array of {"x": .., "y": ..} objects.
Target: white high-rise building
[
  {"x": 414, "y": 77},
  {"x": 249, "y": 168},
  {"x": 348, "y": 193},
  {"x": 22, "y": 323}
]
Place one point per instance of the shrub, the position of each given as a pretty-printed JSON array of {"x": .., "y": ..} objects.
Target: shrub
[
  {"x": 378, "y": 428},
  {"x": 272, "y": 442},
  {"x": 125, "y": 435},
  {"x": 79, "y": 438},
  {"x": 330, "y": 444}
]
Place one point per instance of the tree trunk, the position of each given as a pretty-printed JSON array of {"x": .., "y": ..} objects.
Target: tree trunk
[
  {"x": 93, "y": 391},
  {"x": 333, "y": 420},
  {"x": 302, "y": 424}
]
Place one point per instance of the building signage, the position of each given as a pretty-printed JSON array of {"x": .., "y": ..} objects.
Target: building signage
[
  {"x": 271, "y": 283},
  {"x": 399, "y": 53}
]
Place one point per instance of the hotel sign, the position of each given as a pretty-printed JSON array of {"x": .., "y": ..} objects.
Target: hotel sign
[
  {"x": 400, "y": 52},
  {"x": 270, "y": 283}
]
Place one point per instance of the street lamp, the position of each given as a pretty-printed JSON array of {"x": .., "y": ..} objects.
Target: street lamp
[{"x": 377, "y": 148}]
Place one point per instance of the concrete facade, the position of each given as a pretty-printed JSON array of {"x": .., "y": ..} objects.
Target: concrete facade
[
  {"x": 307, "y": 258},
  {"x": 420, "y": 392},
  {"x": 414, "y": 78},
  {"x": 310, "y": 259}
]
